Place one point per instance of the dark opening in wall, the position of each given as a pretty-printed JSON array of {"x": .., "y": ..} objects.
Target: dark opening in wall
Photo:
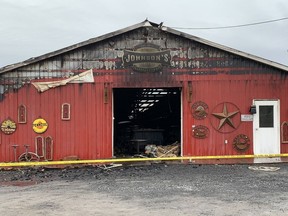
[{"x": 145, "y": 116}]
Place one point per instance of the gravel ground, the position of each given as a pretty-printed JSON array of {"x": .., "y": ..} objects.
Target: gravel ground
[{"x": 156, "y": 189}]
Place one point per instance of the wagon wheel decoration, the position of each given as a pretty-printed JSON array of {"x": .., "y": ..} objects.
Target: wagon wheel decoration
[
  {"x": 199, "y": 110},
  {"x": 29, "y": 156},
  {"x": 227, "y": 117},
  {"x": 241, "y": 142}
]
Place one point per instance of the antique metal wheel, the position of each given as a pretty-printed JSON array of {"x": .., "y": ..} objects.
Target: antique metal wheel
[{"x": 29, "y": 156}]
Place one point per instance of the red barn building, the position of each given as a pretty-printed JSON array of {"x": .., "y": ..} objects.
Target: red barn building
[{"x": 145, "y": 84}]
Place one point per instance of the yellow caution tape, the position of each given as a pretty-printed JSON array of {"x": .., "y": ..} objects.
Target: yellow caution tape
[{"x": 123, "y": 160}]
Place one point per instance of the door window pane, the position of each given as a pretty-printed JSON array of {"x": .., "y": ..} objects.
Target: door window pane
[{"x": 266, "y": 116}]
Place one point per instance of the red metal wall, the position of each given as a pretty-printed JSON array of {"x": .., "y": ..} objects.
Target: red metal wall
[
  {"x": 239, "y": 90},
  {"x": 86, "y": 135},
  {"x": 215, "y": 77}
]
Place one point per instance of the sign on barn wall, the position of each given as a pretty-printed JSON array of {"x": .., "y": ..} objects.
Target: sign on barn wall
[
  {"x": 146, "y": 58},
  {"x": 40, "y": 125},
  {"x": 8, "y": 126},
  {"x": 246, "y": 117}
]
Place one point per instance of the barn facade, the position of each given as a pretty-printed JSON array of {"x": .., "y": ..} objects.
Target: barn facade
[{"x": 143, "y": 85}]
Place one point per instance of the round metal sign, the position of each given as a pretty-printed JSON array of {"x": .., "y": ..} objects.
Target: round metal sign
[
  {"x": 200, "y": 132},
  {"x": 199, "y": 110},
  {"x": 40, "y": 125},
  {"x": 241, "y": 142},
  {"x": 8, "y": 126}
]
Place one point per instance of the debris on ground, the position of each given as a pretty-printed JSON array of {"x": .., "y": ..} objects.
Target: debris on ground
[
  {"x": 172, "y": 150},
  {"x": 263, "y": 168},
  {"x": 108, "y": 167},
  {"x": 43, "y": 174}
]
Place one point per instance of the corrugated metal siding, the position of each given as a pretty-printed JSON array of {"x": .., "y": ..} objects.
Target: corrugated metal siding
[
  {"x": 216, "y": 76},
  {"x": 239, "y": 92},
  {"x": 86, "y": 135}
]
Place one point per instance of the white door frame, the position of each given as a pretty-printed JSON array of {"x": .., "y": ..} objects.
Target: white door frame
[{"x": 266, "y": 140}]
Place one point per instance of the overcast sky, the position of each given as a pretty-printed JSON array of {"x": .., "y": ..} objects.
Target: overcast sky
[{"x": 29, "y": 28}]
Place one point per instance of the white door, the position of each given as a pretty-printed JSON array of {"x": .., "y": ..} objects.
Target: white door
[{"x": 266, "y": 129}]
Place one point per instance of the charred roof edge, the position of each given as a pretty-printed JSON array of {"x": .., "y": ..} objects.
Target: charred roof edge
[
  {"x": 145, "y": 23},
  {"x": 226, "y": 48}
]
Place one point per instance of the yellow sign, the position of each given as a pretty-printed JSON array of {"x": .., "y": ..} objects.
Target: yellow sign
[
  {"x": 40, "y": 125},
  {"x": 8, "y": 126}
]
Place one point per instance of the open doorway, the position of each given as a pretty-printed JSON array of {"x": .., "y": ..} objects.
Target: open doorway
[{"x": 146, "y": 117}]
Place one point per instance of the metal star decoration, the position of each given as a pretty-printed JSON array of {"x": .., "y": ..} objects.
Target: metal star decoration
[{"x": 225, "y": 117}]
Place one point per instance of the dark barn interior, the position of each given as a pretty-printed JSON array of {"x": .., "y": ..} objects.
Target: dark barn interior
[{"x": 145, "y": 116}]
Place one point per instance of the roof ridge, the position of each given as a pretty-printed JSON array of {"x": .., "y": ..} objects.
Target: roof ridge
[{"x": 144, "y": 23}]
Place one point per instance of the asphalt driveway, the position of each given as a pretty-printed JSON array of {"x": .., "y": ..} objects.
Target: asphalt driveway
[{"x": 156, "y": 189}]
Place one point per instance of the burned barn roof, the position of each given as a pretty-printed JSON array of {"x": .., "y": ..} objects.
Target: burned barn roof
[{"x": 145, "y": 23}]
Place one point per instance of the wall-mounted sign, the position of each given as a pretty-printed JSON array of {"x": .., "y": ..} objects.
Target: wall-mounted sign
[
  {"x": 40, "y": 125},
  {"x": 241, "y": 142},
  {"x": 246, "y": 117},
  {"x": 200, "y": 131},
  {"x": 199, "y": 110},
  {"x": 284, "y": 132},
  {"x": 146, "y": 58},
  {"x": 8, "y": 126},
  {"x": 65, "y": 111},
  {"x": 22, "y": 114}
]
